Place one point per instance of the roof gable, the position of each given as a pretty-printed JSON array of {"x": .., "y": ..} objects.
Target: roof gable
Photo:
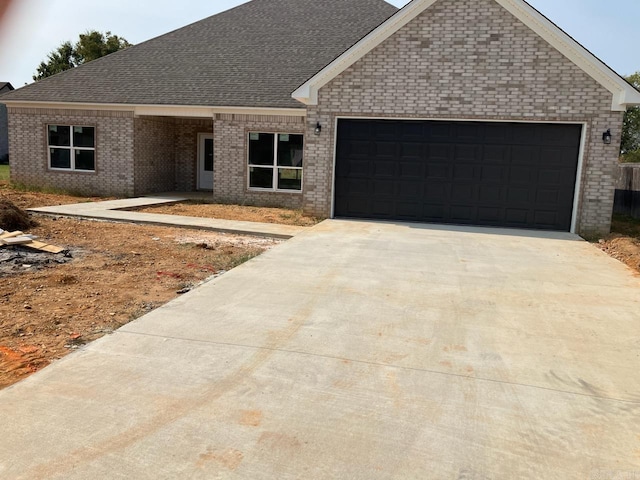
[
  {"x": 623, "y": 93},
  {"x": 251, "y": 56}
]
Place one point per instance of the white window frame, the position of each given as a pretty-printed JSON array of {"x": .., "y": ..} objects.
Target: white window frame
[
  {"x": 274, "y": 166},
  {"x": 72, "y": 149}
]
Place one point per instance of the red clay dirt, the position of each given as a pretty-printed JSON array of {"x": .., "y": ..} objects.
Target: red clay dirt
[{"x": 117, "y": 273}]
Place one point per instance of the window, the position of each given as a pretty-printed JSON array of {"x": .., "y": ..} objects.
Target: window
[
  {"x": 275, "y": 161},
  {"x": 72, "y": 148}
]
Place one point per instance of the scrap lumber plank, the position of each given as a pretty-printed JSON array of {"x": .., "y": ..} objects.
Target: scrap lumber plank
[
  {"x": 10, "y": 234},
  {"x": 16, "y": 240},
  {"x": 44, "y": 247}
]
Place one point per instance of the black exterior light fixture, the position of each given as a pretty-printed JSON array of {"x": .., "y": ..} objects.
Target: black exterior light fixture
[
  {"x": 606, "y": 137},
  {"x": 318, "y": 129}
]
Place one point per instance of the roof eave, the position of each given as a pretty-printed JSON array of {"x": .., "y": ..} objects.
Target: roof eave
[{"x": 194, "y": 111}]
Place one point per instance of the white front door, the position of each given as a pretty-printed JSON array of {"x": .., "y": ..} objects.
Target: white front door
[{"x": 205, "y": 161}]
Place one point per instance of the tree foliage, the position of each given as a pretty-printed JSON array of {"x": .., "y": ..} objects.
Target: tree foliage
[
  {"x": 630, "y": 148},
  {"x": 90, "y": 46}
]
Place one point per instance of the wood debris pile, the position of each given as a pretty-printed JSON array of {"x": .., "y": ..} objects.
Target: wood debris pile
[{"x": 24, "y": 240}]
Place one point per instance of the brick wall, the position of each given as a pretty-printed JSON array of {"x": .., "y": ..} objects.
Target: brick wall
[
  {"x": 469, "y": 59},
  {"x": 230, "y": 158},
  {"x": 154, "y": 154},
  {"x": 114, "y": 150}
]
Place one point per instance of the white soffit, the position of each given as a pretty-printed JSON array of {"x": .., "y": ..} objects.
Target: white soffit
[{"x": 624, "y": 95}]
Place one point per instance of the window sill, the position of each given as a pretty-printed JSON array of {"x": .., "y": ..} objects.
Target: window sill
[
  {"x": 271, "y": 190},
  {"x": 68, "y": 170}
]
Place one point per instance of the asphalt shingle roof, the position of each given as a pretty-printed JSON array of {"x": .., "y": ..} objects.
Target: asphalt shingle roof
[{"x": 254, "y": 55}]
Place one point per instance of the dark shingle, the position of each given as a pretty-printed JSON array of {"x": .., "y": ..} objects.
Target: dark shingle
[{"x": 254, "y": 55}]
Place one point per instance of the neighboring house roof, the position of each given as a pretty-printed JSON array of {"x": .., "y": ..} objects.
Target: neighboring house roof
[
  {"x": 5, "y": 87},
  {"x": 253, "y": 55},
  {"x": 624, "y": 94}
]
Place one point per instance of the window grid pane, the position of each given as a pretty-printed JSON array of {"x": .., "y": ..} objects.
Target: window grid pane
[
  {"x": 59, "y": 136},
  {"x": 60, "y": 157},
  {"x": 261, "y": 177},
  {"x": 290, "y": 148},
  {"x": 84, "y": 137},
  {"x": 85, "y": 160},
  {"x": 261, "y": 148},
  {"x": 289, "y": 179}
]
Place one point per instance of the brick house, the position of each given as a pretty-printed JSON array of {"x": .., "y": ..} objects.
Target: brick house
[
  {"x": 478, "y": 112},
  {"x": 5, "y": 87}
]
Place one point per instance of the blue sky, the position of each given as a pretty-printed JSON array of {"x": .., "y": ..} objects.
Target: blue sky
[{"x": 35, "y": 27}]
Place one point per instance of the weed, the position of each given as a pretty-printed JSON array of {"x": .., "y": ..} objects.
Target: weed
[{"x": 4, "y": 173}]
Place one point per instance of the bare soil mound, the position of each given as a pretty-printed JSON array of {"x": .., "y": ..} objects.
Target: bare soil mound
[{"x": 13, "y": 218}]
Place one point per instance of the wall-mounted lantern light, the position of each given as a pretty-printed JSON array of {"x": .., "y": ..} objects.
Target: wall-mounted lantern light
[
  {"x": 318, "y": 129},
  {"x": 606, "y": 137}
]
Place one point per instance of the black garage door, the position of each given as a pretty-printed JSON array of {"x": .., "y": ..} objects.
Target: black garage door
[{"x": 470, "y": 173}]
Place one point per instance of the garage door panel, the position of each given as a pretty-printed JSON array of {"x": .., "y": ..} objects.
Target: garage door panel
[
  {"x": 437, "y": 193},
  {"x": 356, "y": 186},
  {"x": 520, "y": 196},
  {"x": 440, "y": 131},
  {"x": 490, "y": 195},
  {"x": 490, "y": 214},
  {"x": 548, "y": 197},
  {"x": 383, "y": 169},
  {"x": 409, "y": 189},
  {"x": 356, "y": 168},
  {"x": 546, "y": 217},
  {"x": 440, "y": 153},
  {"x": 464, "y": 172},
  {"x": 474, "y": 173},
  {"x": 468, "y": 153},
  {"x": 412, "y": 152},
  {"x": 464, "y": 214},
  {"x": 524, "y": 155},
  {"x": 411, "y": 170},
  {"x": 384, "y": 150},
  {"x": 497, "y": 133},
  {"x": 521, "y": 174},
  {"x": 409, "y": 210},
  {"x": 469, "y": 133},
  {"x": 386, "y": 189},
  {"x": 412, "y": 132},
  {"x": 493, "y": 173},
  {"x": 382, "y": 209},
  {"x": 517, "y": 216},
  {"x": 496, "y": 154},
  {"x": 438, "y": 171},
  {"x": 462, "y": 193}
]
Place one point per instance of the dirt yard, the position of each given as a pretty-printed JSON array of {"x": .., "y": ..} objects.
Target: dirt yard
[
  {"x": 624, "y": 242},
  {"x": 233, "y": 212},
  {"x": 112, "y": 273}
]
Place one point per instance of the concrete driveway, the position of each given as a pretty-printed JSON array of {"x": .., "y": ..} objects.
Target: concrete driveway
[{"x": 357, "y": 350}]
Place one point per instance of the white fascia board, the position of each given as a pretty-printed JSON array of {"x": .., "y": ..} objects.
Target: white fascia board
[
  {"x": 624, "y": 95},
  {"x": 307, "y": 93},
  {"x": 161, "y": 110}
]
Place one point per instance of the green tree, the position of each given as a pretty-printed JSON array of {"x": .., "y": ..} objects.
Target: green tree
[
  {"x": 59, "y": 60},
  {"x": 630, "y": 148},
  {"x": 90, "y": 46},
  {"x": 94, "y": 44}
]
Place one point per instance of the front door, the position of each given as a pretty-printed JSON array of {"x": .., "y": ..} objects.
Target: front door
[{"x": 205, "y": 161}]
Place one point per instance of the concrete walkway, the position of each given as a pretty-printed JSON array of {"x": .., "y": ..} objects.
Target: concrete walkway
[
  {"x": 115, "y": 211},
  {"x": 357, "y": 350}
]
